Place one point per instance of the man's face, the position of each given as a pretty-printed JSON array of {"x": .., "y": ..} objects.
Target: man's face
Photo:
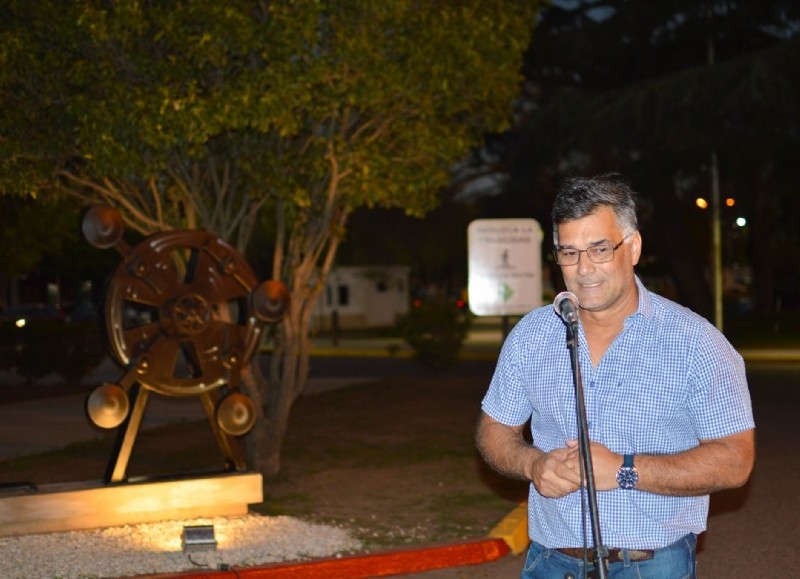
[{"x": 601, "y": 287}]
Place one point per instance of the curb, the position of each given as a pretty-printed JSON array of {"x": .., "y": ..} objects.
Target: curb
[
  {"x": 513, "y": 529},
  {"x": 365, "y": 566}
]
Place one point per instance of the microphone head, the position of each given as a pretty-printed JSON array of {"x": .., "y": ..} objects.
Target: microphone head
[{"x": 566, "y": 306}]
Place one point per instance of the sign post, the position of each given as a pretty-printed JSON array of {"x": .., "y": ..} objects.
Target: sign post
[{"x": 505, "y": 266}]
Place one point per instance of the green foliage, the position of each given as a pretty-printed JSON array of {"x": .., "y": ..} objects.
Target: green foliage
[
  {"x": 392, "y": 92},
  {"x": 35, "y": 61},
  {"x": 436, "y": 331},
  {"x": 32, "y": 230}
]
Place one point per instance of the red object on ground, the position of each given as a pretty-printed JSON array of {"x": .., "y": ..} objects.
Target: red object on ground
[{"x": 365, "y": 566}]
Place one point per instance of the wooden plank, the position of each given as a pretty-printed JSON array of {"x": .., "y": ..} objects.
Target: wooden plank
[{"x": 88, "y": 505}]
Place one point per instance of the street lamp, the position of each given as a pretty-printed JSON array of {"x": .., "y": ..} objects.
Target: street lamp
[
  {"x": 716, "y": 239},
  {"x": 716, "y": 243}
]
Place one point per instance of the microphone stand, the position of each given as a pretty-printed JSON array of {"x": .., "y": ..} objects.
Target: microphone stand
[{"x": 600, "y": 551}]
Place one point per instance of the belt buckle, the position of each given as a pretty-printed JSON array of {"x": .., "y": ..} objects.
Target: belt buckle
[
  {"x": 633, "y": 554},
  {"x": 636, "y": 555}
]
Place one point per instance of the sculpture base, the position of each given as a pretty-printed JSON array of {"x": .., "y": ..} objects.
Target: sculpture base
[{"x": 89, "y": 505}]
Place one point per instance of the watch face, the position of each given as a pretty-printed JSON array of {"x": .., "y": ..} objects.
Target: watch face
[{"x": 627, "y": 477}]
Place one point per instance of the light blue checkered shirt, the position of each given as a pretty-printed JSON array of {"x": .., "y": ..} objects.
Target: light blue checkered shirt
[{"x": 669, "y": 379}]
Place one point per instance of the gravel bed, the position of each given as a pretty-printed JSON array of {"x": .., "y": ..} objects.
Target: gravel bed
[{"x": 151, "y": 548}]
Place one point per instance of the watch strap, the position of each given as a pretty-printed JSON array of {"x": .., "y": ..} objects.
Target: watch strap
[{"x": 627, "y": 476}]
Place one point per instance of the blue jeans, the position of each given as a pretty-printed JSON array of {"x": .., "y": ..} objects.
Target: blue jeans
[{"x": 675, "y": 561}]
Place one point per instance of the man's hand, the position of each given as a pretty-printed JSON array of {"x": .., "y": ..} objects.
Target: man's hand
[
  {"x": 605, "y": 465},
  {"x": 504, "y": 448},
  {"x": 557, "y": 473}
]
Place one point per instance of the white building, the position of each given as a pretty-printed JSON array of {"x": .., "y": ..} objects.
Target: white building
[{"x": 363, "y": 297}]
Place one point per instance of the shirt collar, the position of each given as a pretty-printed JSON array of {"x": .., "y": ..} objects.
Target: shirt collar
[{"x": 645, "y": 306}]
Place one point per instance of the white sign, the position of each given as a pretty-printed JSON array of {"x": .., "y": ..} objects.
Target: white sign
[{"x": 505, "y": 266}]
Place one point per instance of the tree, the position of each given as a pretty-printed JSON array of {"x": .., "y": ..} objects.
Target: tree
[
  {"x": 48, "y": 227},
  {"x": 628, "y": 86},
  {"x": 219, "y": 115}
]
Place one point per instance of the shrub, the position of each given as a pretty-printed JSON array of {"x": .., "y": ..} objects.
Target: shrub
[{"x": 435, "y": 331}]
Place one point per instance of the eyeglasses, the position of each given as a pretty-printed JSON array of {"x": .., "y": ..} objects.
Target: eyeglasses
[{"x": 601, "y": 253}]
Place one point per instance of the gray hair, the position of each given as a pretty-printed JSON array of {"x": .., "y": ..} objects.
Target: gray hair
[{"x": 578, "y": 197}]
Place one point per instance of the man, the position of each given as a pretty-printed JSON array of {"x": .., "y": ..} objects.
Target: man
[{"x": 667, "y": 405}]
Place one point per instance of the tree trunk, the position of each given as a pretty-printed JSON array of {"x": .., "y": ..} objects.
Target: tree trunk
[
  {"x": 303, "y": 254},
  {"x": 275, "y": 396},
  {"x": 256, "y": 442}
]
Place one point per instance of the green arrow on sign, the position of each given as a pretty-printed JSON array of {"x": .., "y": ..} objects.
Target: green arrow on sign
[{"x": 505, "y": 292}]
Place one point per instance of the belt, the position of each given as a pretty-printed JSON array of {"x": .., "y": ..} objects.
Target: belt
[{"x": 614, "y": 555}]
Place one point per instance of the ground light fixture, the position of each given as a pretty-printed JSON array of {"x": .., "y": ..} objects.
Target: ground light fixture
[{"x": 198, "y": 538}]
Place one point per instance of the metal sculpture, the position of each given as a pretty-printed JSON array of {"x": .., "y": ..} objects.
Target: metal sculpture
[{"x": 183, "y": 314}]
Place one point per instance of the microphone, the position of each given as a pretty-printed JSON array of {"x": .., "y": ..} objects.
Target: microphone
[{"x": 566, "y": 306}]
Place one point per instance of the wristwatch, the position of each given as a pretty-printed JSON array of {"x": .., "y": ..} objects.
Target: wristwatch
[{"x": 627, "y": 475}]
